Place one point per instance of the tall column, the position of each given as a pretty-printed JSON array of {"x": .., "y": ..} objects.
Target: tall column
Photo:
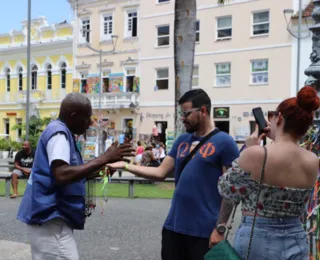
[{"x": 313, "y": 72}]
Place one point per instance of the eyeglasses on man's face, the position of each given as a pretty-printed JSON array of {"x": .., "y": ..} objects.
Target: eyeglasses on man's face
[{"x": 186, "y": 114}]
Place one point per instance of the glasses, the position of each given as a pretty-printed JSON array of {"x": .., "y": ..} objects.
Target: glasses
[
  {"x": 186, "y": 114},
  {"x": 271, "y": 114}
]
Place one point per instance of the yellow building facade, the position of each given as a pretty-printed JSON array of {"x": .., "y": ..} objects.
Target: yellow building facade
[{"x": 51, "y": 72}]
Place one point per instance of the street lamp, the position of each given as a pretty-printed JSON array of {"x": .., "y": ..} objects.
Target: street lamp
[
  {"x": 101, "y": 52},
  {"x": 313, "y": 71},
  {"x": 297, "y": 36}
]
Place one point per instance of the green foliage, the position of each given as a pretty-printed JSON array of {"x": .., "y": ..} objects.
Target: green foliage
[
  {"x": 15, "y": 146},
  {"x": 5, "y": 145},
  {"x": 36, "y": 127}
]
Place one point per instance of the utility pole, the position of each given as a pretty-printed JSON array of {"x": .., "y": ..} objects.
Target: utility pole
[{"x": 28, "y": 70}]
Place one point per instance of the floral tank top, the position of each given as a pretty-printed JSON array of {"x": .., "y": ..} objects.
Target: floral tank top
[{"x": 238, "y": 186}]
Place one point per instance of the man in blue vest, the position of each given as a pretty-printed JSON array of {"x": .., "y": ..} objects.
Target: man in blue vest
[{"x": 54, "y": 201}]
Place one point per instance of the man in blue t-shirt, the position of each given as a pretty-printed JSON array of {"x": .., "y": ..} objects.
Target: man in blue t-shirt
[{"x": 192, "y": 224}]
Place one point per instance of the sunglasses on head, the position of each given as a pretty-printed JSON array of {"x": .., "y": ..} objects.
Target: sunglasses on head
[{"x": 271, "y": 114}]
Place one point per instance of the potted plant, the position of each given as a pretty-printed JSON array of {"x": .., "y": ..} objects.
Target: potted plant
[
  {"x": 5, "y": 148},
  {"x": 1, "y": 147}
]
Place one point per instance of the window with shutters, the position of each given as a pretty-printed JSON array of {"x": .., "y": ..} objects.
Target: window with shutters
[
  {"x": 63, "y": 71},
  {"x": 34, "y": 77},
  {"x": 8, "y": 79},
  {"x": 107, "y": 26},
  {"x": 132, "y": 24},
  {"x": 85, "y": 31},
  {"x": 49, "y": 77},
  {"x": 20, "y": 79}
]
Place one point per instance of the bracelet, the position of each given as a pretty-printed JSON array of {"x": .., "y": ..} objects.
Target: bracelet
[{"x": 126, "y": 166}]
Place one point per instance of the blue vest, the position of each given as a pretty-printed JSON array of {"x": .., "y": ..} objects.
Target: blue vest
[{"x": 45, "y": 200}]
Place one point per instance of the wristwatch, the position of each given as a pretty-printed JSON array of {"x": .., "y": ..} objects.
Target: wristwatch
[{"x": 221, "y": 229}]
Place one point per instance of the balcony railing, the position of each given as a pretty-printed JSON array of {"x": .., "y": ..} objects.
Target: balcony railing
[
  {"x": 36, "y": 96},
  {"x": 115, "y": 100}
]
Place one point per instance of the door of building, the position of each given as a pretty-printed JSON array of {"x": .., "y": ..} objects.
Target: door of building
[
  {"x": 223, "y": 126},
  {"x": 162, "y": 127}
]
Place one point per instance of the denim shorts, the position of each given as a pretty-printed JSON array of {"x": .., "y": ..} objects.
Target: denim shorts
[{"x": 273, "y": 239}]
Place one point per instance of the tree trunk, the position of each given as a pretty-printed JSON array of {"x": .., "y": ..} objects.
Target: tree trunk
[{"x": 184, "y": 47}]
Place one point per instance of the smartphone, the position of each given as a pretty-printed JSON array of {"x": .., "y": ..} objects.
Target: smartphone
[
  {"x": 121, "y": 139},
  {"x": 260, "y": 120}
]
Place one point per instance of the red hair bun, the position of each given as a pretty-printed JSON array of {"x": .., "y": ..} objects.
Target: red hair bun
[{"x": 308, "y": 99}]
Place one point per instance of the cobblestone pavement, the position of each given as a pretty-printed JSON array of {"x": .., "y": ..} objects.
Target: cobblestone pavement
[{"x": 128, "y": 230}]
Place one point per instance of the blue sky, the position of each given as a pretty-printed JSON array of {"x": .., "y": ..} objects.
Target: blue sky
[{"x": 15, "y": 11}]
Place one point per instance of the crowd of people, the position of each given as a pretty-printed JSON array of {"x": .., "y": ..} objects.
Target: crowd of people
[{"x": 272, "y": 182}]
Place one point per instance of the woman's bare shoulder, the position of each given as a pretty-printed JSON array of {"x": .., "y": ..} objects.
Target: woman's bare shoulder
[{"x": 251, "y": 157}]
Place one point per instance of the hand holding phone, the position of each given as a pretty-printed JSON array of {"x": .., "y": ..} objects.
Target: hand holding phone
[{"x": 260, "y": 120}]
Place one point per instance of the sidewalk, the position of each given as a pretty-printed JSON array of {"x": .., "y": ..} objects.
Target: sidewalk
[{"x": 14, "y": 251}]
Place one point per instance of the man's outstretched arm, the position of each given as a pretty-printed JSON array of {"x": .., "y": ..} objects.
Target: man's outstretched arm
[{"x": 152, "y": 173}]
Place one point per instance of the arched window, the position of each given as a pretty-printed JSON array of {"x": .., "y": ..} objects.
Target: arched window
[
  {"x": 20, "y": 78},
  {"x": 8, "y": 80},
  {"x": 49, "y": 77},
  {"x": 34, "y": 77},
  {"x": 63, "y": 69}
]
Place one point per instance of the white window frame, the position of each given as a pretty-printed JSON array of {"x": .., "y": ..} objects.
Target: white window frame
[
  {"x": 257, "y": 72},
  {"x": 168, "y": 78},
  {"x": 83, "y": 39},
  {"x": 195, "y": 76},
  {"x": 253, "y": 24},
  {"x": 225, "y": 74},
  {"x": 162, "y": 36},
  {"x": 224, "y": 28},
  {"x": 128, "y": 34},
  {"x": 198, "y": 31},
  {"x": 103, "y": 24}
]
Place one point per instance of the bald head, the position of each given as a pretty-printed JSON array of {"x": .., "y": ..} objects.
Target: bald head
[
  {"x": 74, "y": 102},
  {"x": 75, "y": 112}
]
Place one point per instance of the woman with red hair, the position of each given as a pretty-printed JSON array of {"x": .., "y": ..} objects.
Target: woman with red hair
[{"x": 287, "y": 173}]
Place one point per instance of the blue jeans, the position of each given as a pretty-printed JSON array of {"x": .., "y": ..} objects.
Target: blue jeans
[{"x": 273, "y": 239}]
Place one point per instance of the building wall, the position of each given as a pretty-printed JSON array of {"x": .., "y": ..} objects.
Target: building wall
[
  {"x": 55, "y": 51},
  {"x": 125, "y": 56},
  {"x": 241, "y": 96}
]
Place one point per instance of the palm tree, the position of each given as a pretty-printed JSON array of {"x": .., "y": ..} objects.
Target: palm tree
[{"x": 184, "y": 48}]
